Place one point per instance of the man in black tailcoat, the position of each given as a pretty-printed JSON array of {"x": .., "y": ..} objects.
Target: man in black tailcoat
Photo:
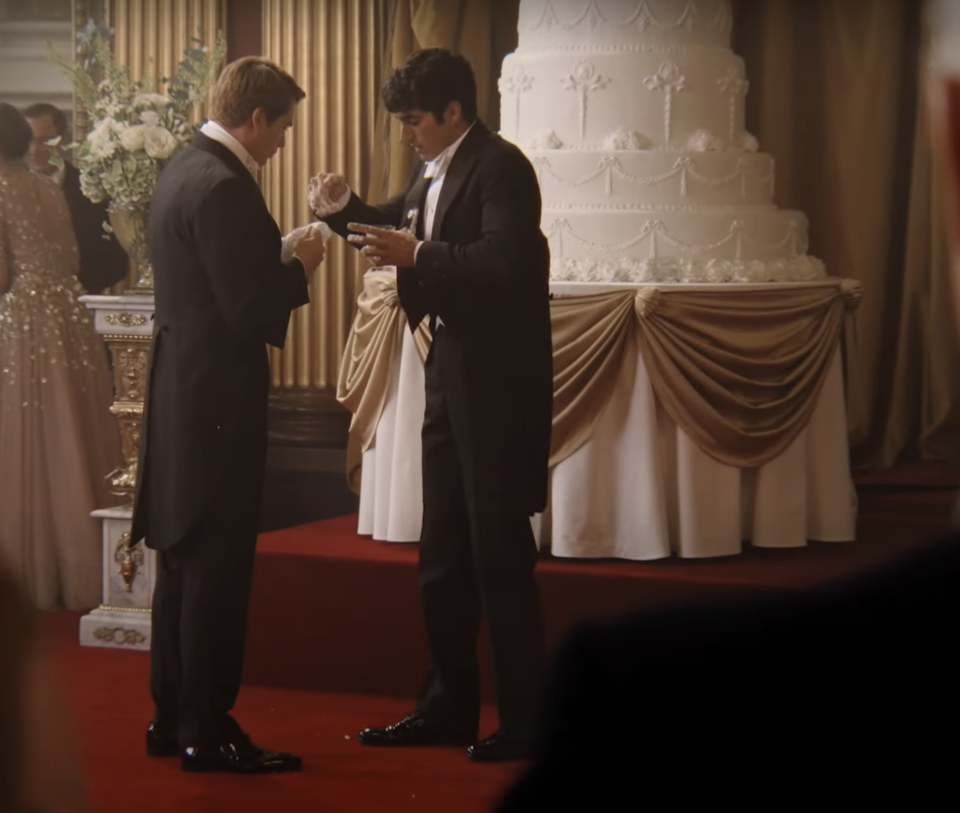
[
  {"x": 102, "y": 261},
  {"x": 222, "y": 295},
  {"x": 471, "y": 257}
]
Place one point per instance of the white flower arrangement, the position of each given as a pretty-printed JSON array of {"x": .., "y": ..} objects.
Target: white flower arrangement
[{"x": 135, "y": 130}]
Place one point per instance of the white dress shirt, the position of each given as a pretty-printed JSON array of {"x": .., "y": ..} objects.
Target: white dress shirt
[
  {"x": 436, "y": 170},
  {"x": 217, "y": 132}
]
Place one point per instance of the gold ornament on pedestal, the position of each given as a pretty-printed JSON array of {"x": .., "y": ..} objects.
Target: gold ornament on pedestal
[{"x": 129, "y": 354}]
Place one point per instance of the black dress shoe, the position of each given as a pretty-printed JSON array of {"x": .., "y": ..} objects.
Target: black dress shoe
[
  {"x": 239, "y": 756},
  {"x": 500, "y": 747},
  {"x": 416, "y": 729},
  {"x": 161, "y": 742}
]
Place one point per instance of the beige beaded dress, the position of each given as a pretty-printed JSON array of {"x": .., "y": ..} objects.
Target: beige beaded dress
[{"x": 58, "y": 439}]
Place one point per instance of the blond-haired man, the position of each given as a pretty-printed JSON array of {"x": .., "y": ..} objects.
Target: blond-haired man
[{"x": 222, "y": 294}]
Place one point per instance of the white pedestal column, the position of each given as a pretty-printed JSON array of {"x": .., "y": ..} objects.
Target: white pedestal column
[{"x": 123, "y": 618}]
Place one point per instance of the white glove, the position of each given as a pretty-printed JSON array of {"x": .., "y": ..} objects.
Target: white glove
[
  {"x": 289, "y": 244},
  {"x": 327, "y": 193}
]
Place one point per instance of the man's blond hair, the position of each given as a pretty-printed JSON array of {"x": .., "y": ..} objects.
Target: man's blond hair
[{"x": 249, "y": 83}]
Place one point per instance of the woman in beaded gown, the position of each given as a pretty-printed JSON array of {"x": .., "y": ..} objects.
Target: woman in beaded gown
[{"x": 58, "y": 439}]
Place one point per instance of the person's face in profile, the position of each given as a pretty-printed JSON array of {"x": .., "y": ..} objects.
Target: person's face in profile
[
  {"x": 44, "y": 144},
  {"x": 269, "y": 137},
  {"x": 429, "y": 137}
]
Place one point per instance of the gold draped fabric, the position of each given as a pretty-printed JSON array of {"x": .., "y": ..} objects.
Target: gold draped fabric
[
  {"x": 834, "y": 97},
  {"x": 373, "y": 347},
  {"x": 739, "y": 372}
]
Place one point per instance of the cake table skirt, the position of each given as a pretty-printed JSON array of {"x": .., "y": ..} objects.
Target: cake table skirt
[{"x": 639, "y": 488}]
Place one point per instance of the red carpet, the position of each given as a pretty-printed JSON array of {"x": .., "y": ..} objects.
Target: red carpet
[
  {"x": 335, "y": 620},
  {"x": 107, "y": 690}
]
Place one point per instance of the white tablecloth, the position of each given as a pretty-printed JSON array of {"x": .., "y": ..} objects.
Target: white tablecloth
[{"x": 639, "y": 488}]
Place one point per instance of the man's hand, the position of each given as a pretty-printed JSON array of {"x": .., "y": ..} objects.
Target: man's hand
[
  {"x": 384, "y": 246},
  {"x": 327, "y": 193},
  {"x": 310, "y": 250}
]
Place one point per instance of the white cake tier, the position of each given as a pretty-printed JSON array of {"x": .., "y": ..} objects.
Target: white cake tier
[
  {"x": 732, "y": 241},
  {"x": 575, "y": 24},
  {"x": 626, "y": 179},
  {"x": 673, "y": 99}
]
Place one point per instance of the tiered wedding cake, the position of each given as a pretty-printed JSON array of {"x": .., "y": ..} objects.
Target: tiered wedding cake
[{"x": 632, "y": 113}]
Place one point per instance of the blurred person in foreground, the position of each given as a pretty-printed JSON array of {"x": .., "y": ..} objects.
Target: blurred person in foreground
[
  {"x": 223, "y": 293},
  {"x": 848, "y": 692},
  {"x": 39, "y": 768},
  {"x": 58, "y": 440},
  {"x": 102, "y": 261}
]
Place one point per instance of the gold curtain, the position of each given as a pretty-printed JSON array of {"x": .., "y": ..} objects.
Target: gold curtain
[
  {"x": 334, "y": 50},
  {"x": 150, "y": 37},
  {"x": 834, "y": 98}
]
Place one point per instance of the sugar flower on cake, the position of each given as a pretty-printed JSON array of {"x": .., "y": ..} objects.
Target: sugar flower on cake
[
  {"x": 623, "y": 139},
  {"x": 748, "y": 142},
  {"x": 546, "y": 140},
  {"x": 705, "y": 141}
]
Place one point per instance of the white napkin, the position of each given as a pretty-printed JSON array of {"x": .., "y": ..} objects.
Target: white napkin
[{"x": 289, "y": 244}]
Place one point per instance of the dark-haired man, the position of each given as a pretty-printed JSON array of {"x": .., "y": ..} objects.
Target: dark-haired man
[
  {"x": 102, "y": 261},
  {"x": 474, "y": 260},
  {"x": 222, "y": 294}
]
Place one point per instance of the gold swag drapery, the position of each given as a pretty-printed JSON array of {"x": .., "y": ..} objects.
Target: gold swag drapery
[
  {"x": 373, "y": 347},
  {"x": 739, "y": 373}
]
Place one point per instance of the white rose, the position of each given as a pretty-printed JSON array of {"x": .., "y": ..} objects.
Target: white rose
[
  {"x": 159, "y": 142},
  {"x": 156, "y": 100},
  {"x": 132, "y": 138},
  {"x": 150, "y": 117},
  {"x": 101, "y": 138}
]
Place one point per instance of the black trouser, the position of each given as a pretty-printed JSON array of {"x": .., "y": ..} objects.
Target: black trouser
[
  {"x": 199, "y": 621},
  {"x": 477, "y": 555}
]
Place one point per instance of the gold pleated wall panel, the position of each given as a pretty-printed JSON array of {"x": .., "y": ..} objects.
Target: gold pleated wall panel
[
  {"x": 334, "y": 50},
  {"x": 150, "y": 35}
]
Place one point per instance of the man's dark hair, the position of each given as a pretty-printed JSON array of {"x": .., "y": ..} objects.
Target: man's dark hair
[
  {"x": 429, "y": 80},
  {"x": 15, "y": 133},
  {"x": 41, "y": 109}
]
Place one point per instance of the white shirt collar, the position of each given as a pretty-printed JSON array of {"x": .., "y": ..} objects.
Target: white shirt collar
[
  {"x": 217, "y": 132},
  {"x": 438, "y": 166}
]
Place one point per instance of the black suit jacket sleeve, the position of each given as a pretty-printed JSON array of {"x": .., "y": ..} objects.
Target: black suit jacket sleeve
[
  {"x": 388, "y": 213},
  {"x": 510, "y": 209},
  {"x": 253, "y": 289}
]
